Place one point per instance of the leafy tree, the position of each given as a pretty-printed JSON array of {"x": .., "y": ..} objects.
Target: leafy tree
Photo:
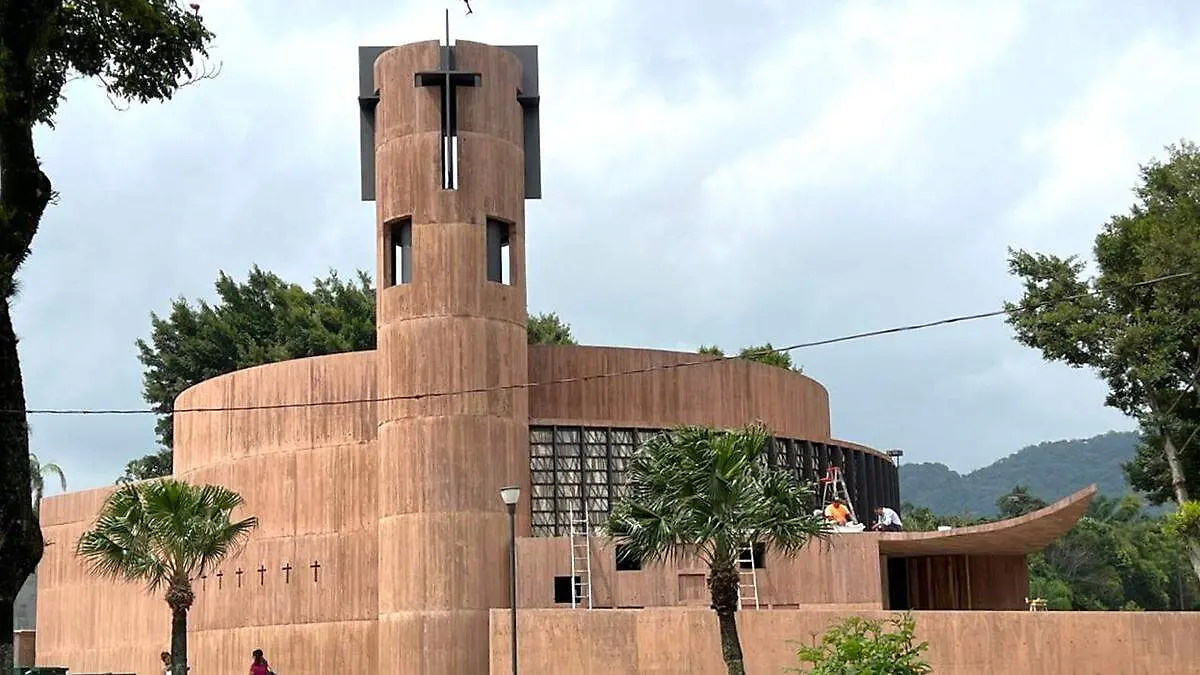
[
  {"x": 1144, "y": 340},
  {"x": 1018, "y": 502},
  {"x": 38, "y": 472},
  {"x": 154, "y": 465},
  {"x": 165, "y": 533},
  {"x": 858, "y": 645},
  {"x": 710, "y": 494},
  {"x": 548, "y": 329},
  {"x": 262, "y": 320},
  {"x": 764, "y": 354},
  {"x": 138, "y": 50}
]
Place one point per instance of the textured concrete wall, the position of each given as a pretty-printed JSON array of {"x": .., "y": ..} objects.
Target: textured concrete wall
[{"x": 624, "y": 642}]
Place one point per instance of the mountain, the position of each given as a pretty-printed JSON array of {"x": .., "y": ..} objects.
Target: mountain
[{"x": 1052, "y": 471}]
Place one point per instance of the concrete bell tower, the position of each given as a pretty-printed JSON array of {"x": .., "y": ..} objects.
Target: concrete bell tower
[{"x": 450, "y": 154}]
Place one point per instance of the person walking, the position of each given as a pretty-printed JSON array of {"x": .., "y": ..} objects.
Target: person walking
[{"x": 260, "y": 666}]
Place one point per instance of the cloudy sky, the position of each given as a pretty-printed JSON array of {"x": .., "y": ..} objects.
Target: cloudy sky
[{"x": 713, "y": 172}]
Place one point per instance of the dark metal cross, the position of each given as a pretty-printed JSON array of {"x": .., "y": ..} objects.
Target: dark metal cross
[
  {"x": 262, "y": 571},
  {"x": 239, "y": 574},
  {"x": 219, "y": 575},
  {"x": 449, "y": 79},
  {"x": 315, "y": 566},
  {"x": 287, "y": 572},
  {"x": 203, "y": 581}
]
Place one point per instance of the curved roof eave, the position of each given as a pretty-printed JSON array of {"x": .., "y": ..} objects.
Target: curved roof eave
[{"x": 1023, "y": 535}]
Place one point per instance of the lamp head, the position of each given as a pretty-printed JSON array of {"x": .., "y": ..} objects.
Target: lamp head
[{"x": 511, "y": 495}]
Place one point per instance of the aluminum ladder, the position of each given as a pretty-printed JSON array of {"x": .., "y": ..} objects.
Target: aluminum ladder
[
  {"x": 581, "y": 561},
  {"x": 833, "y": 485},
  {"x": 747, "y": 578}
]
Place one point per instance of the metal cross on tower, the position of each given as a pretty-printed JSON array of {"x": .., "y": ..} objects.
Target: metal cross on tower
[{"x": 449, "y": 79}]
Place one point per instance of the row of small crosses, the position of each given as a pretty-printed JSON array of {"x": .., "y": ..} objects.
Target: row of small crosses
[{"x": 262, "y": 574}]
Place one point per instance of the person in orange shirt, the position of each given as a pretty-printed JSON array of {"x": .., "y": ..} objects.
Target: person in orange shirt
[{"x": 837, "y": 512}]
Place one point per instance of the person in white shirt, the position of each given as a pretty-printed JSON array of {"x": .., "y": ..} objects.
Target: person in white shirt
[{"x": 887, "y": 520}]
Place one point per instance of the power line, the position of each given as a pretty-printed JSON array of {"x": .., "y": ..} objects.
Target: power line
[{"x": 601, "y": 376}]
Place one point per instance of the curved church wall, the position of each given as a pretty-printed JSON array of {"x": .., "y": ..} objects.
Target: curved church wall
[
  {"x": 725, "y": 393},
  {"x": 306, "y": 588}
]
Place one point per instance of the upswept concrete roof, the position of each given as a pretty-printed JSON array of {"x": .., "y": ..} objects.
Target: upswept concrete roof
[{"x": 1026, "y": 534}]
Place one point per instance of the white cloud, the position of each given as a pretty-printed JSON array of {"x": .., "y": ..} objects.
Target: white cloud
[{"x": 1143, "y": 101}]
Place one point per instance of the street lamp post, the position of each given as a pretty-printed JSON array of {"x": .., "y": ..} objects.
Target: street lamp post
[{"x": 511, "y": 495}]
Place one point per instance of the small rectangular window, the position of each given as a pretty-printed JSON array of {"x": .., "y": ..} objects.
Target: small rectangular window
[
  {"x": 759, "y": 559},
  {"x": 499, "y": 253},
  {"x": 562, "y": 589},
  {"x": 626, "y": 560},
  {"x": 400, "y": 255}
]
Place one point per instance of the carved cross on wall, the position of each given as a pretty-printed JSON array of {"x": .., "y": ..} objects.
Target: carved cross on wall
[
  {"x": 262, "y": 571},
  {"x": 287, "y": 572},
  {"x": 203, "y": 581},
  {"x": 315, "y": 567},
  {"x": 219, "y": 575},
  {"x": 239, "y": 574}
]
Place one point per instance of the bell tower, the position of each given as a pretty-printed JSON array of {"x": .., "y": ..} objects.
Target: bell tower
[{"x": 450, "y": 154}]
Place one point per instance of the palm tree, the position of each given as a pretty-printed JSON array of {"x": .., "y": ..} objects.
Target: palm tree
[
  {"x": 37, "y": 474},
  {"x": 706, "y": 493},
  {"x": 165, "y": 533}
]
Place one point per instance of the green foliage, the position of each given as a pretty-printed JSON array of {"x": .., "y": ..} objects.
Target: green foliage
[
  {"x": 1018, "y": 502},
  {"x": 701, "y": 492},
  {"x": 1185, "y": 522},
  {"x": 263, "y": 320},
  {"x": 764, "y": 354},
  {"x": 548, "y": 329},
  {"x": 706, "y": 492},
  {"x": 38, "y": 473},
  {"x": 1144, "y": 341},
  {"x": 923, "y": 519},
  {"x": 1039, "y": 467},
  {"x": 867, "y": 646},
  {"x": 139, "y": 50},
  {"x": 154, "y": 465},
  {"x": 165, "y": 533}
]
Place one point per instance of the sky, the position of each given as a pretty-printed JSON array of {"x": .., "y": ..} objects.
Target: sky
[{"x": 729, "y": 173}]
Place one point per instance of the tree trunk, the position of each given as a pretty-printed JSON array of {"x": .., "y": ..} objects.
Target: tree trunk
[
  {"x": 723, "y": 586},
  {"x": 1179, "y": 487},
  {"x": 179, "y": 642},
  {"x": 179, "y": 598},
  {"x": 6, "y": 633},
  {"x": 24, "y": 193},
  {"x": 20, "y": 534}
]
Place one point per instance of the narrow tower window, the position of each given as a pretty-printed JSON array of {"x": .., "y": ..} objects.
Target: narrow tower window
[
  {"x": 400, "y": 253},
  {"x": 499, "y": 253}
]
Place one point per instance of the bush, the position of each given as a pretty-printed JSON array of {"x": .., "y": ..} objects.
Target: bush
[
  {"x": 1185, "y": 523},
  {"x": 858, "y": 645}
]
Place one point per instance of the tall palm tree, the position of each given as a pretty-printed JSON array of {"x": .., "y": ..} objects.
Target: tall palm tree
[
  {"x": 37, "y": 479},
  {"x": 706, "y": 493},
  {"x": 165, "y": 533}
]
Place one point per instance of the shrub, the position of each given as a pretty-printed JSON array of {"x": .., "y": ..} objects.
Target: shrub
[{"x": 858, "y": 645}]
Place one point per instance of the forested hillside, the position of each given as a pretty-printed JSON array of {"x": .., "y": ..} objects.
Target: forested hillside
[{"x": 1050, "y": 470}]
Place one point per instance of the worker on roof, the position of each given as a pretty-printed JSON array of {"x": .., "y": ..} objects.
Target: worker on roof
[{"x": 837, "y": 512}]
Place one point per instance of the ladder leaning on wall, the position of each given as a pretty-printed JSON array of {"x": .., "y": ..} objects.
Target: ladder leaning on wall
[
  {"x": 833, "y": 486},
  {"x": 581, "y": 561},
  {"x": 747, "y": 578}
]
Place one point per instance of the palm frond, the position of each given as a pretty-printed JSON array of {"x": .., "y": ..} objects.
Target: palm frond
[
  {"x": 710, "y": 494},
  {"x": 164, "y": 532}
]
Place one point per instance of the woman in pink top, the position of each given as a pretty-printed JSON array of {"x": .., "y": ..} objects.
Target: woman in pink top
[{"x": 260, "y": 665}]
